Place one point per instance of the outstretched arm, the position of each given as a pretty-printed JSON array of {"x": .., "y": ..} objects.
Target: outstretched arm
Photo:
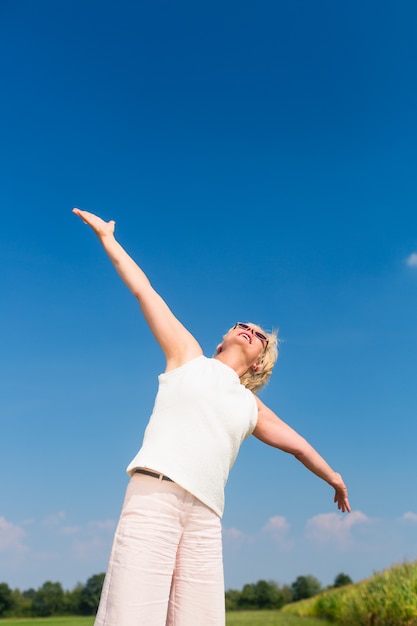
[
  {"x": 272, "y": 430},
  {"x": 177, "y": 343}
]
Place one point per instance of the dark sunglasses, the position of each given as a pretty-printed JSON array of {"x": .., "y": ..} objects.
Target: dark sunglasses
[{"x": 260, "y": 336}]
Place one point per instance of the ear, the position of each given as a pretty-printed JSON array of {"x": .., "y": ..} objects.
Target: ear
[{"x": 219, "y": 348}]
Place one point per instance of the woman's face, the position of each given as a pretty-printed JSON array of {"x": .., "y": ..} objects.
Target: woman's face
[{"x": 250, "y": 337}]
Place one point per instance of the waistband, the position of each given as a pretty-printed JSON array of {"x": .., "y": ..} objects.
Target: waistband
[{"x": 153, "y": 474}]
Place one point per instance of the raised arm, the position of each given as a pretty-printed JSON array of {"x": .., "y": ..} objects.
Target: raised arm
[
  {"x": 272, "y": 430},
  {"x": 177, "y": 343}
]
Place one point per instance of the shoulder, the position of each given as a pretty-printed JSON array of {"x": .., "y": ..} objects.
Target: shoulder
[
  {"x": 195, "y": 362},
  {"x": 265, "y": 414},
  {"x": 260, "y": 405},
  {"x": 179, "y": 361}
]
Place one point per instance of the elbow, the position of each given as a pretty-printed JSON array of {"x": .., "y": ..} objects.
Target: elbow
[
  {"x": 142, "y": 291},
  {"x": 298, "y": 454},
  {"x": 301, "y": 450}
]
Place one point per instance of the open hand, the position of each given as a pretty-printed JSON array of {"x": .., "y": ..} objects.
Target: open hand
[
  {"x": 341, "y": 498},
  {"x": 100, "y": 227}
]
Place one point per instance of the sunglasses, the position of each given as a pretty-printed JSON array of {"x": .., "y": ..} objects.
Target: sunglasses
[{"x": 260, "y": 336}]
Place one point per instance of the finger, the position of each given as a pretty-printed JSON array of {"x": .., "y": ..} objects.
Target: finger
[
  {"x": 83, "y": 215},
  {"x": 79, "y": 213},
  {"x": 344, "y": 506}
]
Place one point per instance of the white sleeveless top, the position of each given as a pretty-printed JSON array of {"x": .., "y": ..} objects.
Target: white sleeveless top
[{"x": 201, "y": 416}]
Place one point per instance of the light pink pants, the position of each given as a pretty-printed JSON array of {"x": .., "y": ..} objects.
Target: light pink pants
[{"x": 166, "y": 566}]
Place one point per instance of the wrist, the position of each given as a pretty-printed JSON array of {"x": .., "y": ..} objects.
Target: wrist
[
  {"x": 106, "y": 239},
  {"x": 337, "y": 481}
]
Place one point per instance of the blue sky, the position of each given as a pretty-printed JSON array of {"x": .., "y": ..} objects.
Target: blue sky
[{"x": 260, "y": 163}]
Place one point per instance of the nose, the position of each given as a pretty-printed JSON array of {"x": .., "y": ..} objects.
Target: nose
[{"x": 246, "y": 328}]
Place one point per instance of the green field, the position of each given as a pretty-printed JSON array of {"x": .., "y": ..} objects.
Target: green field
[
  {"x": 50, "y": 621},
  {"x": 239, "y": 618},
  {"x": 389, "y": 598},
  {"x": 269, "y": 618}
]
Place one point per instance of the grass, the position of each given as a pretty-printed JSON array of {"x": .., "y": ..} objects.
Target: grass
[
  {"x": 48, "y": 621},
  {"x": 387, "y": 599},
  {"x": 270, "y": 618},
  {"x": 235, "y": 618}
]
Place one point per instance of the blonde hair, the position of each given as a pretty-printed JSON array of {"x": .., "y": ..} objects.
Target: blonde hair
[{"x": 256, "y": 379}]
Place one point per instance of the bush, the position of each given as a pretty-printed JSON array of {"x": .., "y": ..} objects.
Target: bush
[{"x": 387, "y": 599}]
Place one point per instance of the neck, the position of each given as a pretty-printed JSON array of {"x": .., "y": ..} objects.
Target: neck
[{"x": 234, "y": 359}]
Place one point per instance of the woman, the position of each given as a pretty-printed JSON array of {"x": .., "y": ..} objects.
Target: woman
[{"x": 166, "y": 565}]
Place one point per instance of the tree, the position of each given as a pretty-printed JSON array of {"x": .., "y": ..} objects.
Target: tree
[
  {"x": 284, "y": 596},
  {"x": 268, "y": 595},
  {"x": 305, "y": 587},
  {"x": 247, "y": 598},
  {"x": 261, "y": 595},
  {"x": 6, "y": 599},
  {"x": 72, "y": 600},
  {"x": 232, "y": 599},
  {"x": 22, "y": 605},
  {"x": 48, "y": 600},
  {"x": 341, "y": 580},
  {"x": 29, "y": 594},
  {"x": 90, "y": 594}
]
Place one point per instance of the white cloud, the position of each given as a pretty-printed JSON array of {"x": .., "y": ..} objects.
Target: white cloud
[
  {"x": 11, "y": 537},
  {"x": 277, "y": 528},
  {"x": 108, "y": 525},
  {"x": 54, "y": 520},
  {"x": 233, "y": 534},
  {"x": 90, "y": 549},
  {"x": 276, "y": 524},
  {"x": 412, "y": 260},
  {"x": 278, "y": 549},
  {"x": 93, "y": 540},
  {"x": 332, "y": 527},
  {"x": 46, "y": 557},
  {"x": 70, "y": 530},
  {"x": 36, "y": 550}
]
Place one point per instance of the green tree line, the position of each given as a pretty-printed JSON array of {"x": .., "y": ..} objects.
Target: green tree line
[
  {"x": 270, "y": 595},
  {"x": 51, "y": 599}
]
